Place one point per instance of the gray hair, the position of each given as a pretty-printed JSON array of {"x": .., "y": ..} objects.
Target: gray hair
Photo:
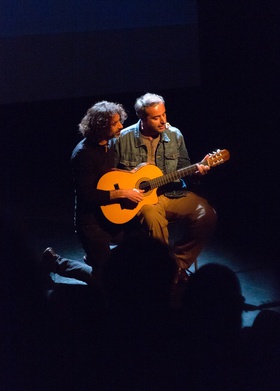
[{"x": 145, "y": 101}]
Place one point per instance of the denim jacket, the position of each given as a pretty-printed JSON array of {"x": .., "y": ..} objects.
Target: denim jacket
[{"x": 171, "y": 153}]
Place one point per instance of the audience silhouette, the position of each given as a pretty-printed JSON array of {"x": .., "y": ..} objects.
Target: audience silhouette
[
  {"x": 212, "y": 314},
  {"x": 222, "y": 355},
  {"x": 142, "y": 337},
  {"x": 49, "y": 341},
  {"x": 23, "y": 320},
  {"x": 261, "y": 352},
  {"x": 128, "y": 335}
]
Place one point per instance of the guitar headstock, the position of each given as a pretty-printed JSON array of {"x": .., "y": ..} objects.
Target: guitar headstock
[{"x": 215, "y": 158}]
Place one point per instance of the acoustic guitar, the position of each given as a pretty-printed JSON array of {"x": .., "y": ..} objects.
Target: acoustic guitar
[{"x": 149, "y": 178}]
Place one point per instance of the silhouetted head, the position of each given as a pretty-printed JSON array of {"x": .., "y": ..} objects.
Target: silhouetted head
[
  {"x": 139, "y": 272},
  {"x": 22, "y": 306},
  {"x": 213, "y": 300}
]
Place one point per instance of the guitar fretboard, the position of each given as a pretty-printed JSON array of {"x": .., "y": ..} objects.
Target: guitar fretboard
[{"x": 171, "y": 177}]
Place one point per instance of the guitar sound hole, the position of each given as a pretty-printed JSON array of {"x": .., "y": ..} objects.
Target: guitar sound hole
[{"x": 145, "y": 186}]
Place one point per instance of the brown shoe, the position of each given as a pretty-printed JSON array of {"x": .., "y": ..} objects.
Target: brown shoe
[{"x": 48, "y": 260}]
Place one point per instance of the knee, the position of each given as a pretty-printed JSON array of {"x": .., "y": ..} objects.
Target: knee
[
  {"x": 152, "y": 216},
  {"x": 148, "y": 212},
  {"x": 206, "y": 213},
  {"x": 210, "y": 216}
]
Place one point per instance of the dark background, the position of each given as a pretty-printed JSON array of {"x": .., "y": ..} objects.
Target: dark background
[{"x": 215, "y": 63}]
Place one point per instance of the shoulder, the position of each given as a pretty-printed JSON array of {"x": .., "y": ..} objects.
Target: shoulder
[
  {"x": 82, "y": 148},
  {"x": 78, "y": 147},
  {"x": 130, "y": 131},
  {"x": 173, "y": 131},
  {"x": 173, "y": 134}
]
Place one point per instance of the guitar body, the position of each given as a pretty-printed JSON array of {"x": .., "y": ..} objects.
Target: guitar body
[{"x": 120, "y": 213}]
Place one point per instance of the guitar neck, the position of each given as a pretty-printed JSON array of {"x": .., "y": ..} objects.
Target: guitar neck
[{"x": 173, "y": 176}]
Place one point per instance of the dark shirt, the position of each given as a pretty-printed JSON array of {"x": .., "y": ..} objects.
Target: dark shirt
[{"x": 89, "y": 162}]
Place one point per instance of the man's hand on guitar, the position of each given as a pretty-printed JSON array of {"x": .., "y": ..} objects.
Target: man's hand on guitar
[
  {"x": 202, "y": 169},
  {"x": 134, "y": 195}
]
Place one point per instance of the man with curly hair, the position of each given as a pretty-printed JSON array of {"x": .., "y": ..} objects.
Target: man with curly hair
[{"x": 91, "y": 158}]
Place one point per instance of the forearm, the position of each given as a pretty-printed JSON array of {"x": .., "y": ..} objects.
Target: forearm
[
  {"x": 133, "y": 195},
  {"x": 117, "y": 194}
]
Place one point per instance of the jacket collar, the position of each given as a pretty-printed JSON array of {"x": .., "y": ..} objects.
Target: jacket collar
[{"x": 138, "y": 141}]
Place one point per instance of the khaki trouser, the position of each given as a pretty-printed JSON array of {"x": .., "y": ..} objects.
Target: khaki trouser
[{"x": 197, "y": 216}]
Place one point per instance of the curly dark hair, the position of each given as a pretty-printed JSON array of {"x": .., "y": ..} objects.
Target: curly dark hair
[{"x": 96, "y": 122}]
